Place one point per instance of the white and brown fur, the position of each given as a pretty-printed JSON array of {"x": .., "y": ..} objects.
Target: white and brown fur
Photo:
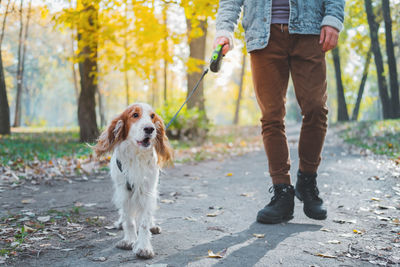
[{"x": 137, "y": 139}]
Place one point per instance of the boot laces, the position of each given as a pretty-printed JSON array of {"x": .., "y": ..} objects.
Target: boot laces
[
  {"x": 279, "y": 192},
  {"x": 311, "y": 190}
]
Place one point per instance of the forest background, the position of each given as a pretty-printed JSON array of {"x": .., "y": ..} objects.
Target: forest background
[{"x": 78, "y": 63}]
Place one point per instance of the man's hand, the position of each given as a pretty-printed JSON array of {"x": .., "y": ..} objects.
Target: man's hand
[
  {"x": 328, "y": 38},
  {"x": 222, "y": 41}
]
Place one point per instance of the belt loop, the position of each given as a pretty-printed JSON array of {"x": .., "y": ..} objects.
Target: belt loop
[{"x": 281, "y": 27}]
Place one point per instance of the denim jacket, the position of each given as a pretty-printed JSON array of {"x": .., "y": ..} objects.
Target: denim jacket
[{"x": 306, "y": 17}]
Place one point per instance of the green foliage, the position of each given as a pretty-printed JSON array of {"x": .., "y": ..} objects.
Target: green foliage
[
  {"x": 381, "y": 137},
  {"x": 43, "y": 145},
  {"x": 185, "y": 122}
]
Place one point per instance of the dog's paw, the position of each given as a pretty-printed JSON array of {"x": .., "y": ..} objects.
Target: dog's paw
[
  {"x": 155, "y": 230},
  {"x": 124, "y": 244},
  {"x": 118, "y": 225},
  {"x": 144, "y": 253}
]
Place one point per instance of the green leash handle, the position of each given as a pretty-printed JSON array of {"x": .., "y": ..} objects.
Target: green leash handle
[{"x": 216, "y": 58}]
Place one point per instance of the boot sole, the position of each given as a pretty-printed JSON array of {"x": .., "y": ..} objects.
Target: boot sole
[
  {"x": 275, "y": 220},
  {"x": 321, "y": 217}
]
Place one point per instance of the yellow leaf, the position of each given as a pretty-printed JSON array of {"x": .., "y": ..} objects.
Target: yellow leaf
[
  {"x": 325, "y": 255},
  {"x": 259, "y": 235},
  {"x": 357, "y": 232},
  {"x": 229, "y": 174},
  {"x": 217, "y": 255}
]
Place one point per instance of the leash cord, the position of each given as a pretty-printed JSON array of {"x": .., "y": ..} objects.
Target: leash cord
[{"x": 190, "y": 95}]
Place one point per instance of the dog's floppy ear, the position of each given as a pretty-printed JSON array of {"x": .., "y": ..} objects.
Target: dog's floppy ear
[
  {"x": 110, "y": 137},
  {"x": 163, "y": 148}
]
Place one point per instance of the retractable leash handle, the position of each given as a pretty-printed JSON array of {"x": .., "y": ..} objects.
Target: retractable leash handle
[{"x": 216, "y": 58}]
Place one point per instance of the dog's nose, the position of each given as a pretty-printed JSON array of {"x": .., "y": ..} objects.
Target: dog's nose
[{"x": 149, "y": 130}]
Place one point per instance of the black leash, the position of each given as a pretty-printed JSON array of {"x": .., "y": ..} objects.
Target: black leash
[
  {"x": 187, "y": 99},
  {"x": 215, "y": 65}
]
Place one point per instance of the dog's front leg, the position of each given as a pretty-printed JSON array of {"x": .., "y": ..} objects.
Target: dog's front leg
[
  {"x": 143, "y": 247},
  {"x": 129, "y": 227}
]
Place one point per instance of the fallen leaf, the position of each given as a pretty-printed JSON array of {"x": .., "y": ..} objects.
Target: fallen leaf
[
  {"x": 190, "y": 219},
  {"x": 217, "y": 255},
  {"x": 43, "y": 219},
  {"x": 167, "y": 201},
  {"x": 358, "y": 232},
  {"x": 102, "y": 259},
  {"x": 375, "y": 199},
  {"x": 229, "y": 174},
  {"x": 385, "y": 219},
  {"x": 325, "y": 255},
  {"x": 28, "y": 201},
  {"x": 259, "y": 235},
  {"x": 382, "y": 207},
  {"x": 29, "y": 229}
]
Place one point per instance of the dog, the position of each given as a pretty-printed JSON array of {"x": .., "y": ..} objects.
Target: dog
[{"x": 139, "y": 145}]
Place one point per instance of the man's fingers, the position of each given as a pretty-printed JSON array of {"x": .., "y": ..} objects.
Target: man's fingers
[
  {"x": 328, "y": 38},
  {"x": 225, "y": 49},
  {"x": 327, "y": 42},
  {"x": 322, "y": 36},
  {"x": 222, "y": 41}
]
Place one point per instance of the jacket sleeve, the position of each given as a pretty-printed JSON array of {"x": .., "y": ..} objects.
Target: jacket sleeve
[
  {"x": 227, "y": 17},
  {"x": 334, "y": 14}
]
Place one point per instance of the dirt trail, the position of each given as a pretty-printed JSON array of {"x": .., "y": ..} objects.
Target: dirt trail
[{"x": 202, "y": 208}]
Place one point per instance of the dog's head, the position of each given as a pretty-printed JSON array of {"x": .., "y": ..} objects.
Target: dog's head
[{"x": 140, "y": 126}]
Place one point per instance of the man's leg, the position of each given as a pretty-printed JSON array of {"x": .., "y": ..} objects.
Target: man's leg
[
  {"x": 308, "y": 69},
  {"x": 270, "y": 69}
]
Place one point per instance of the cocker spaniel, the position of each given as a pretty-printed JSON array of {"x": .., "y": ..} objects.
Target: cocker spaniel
[{"x": 139, "y": 147}]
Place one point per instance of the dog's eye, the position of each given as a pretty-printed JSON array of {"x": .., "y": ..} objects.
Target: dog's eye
[
  {"x": 152, "y": 116},
  {"x": 135, "y": 115}
]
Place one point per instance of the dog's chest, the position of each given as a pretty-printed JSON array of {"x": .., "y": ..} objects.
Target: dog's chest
[{"x": 138, "y": 174}]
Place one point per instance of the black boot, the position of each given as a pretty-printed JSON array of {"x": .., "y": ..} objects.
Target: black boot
[
  {"x": 280, "y": 209},
  {"x": 307, "y": 191}
]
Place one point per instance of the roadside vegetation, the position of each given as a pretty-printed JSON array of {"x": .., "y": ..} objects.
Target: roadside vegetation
[{"x": 381, "y": 137}]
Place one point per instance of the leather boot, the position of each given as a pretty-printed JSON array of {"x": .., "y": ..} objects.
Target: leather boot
[
  {"x": 307, "y": 191},
  {"x": 280, "y": 209}
]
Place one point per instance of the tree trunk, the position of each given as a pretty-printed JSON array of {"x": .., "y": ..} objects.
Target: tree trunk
[
  {"x": 17, "y": 115},
  {"x": 382, "y": 85},
  {"x": 356, "y": 109},
  {"x": 239, "y": 98},
  {"x": 197, "y": 51},
  {"x": 165, "y": 51},
  {"x": 342, "y": 107},
  {"x": 87, "y": 43},
  {"x": 394, "y": 85},
  {"x": 4, "y": 108}
]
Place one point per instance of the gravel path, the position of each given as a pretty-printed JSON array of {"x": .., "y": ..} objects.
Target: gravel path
[{"x": 203, "y": 207}]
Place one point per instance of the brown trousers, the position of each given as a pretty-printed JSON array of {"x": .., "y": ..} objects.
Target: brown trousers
[{"x": 303, "y": 58}]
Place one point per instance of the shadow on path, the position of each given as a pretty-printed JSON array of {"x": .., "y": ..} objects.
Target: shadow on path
[{"x": 243, "y": 248}]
